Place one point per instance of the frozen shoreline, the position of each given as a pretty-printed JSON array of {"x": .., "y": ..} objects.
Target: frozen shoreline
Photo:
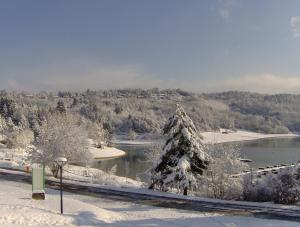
[
  {"x": 239, "y": 136},
  {"x": 106, "y": 153}
]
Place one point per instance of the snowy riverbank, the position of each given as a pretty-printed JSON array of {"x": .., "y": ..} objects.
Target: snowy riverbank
[
  {"x": 239, "y": 135},
  {"x": 106, "y": 152}
]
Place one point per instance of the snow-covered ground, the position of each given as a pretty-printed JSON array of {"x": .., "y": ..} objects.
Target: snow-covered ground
[
  {"x": 93, "y": 175},
  {"x": 235, "y": 136},
  {"x": 106, "y": 152},
  {"x": 18, "y": 209},
  {"x": 133, "y": 142}
]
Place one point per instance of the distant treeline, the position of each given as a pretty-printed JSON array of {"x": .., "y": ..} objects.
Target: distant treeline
[{"x": 136, "y": 111}]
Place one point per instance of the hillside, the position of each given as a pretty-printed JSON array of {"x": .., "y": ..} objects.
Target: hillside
[{"x": 137, "y": 111}]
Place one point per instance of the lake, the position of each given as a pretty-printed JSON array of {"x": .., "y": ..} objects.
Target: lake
[{"x": 263, "y": 152}]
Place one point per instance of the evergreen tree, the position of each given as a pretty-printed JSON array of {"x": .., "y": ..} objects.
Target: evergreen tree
[
  {"x": 183, "y": 159},
  {"x": 61, "y": 107}
]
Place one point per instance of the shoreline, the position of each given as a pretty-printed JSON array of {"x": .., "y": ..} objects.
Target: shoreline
[
  {"x": 239, "y": 136},
  {"x": 215, "y": 138},
  {"x": 106, "y": 153}
]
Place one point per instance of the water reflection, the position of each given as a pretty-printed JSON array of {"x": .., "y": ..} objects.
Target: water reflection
[
  {"x": 272, "y": 151},
  {"x": 131, "y": 165},
  {"x": 262, "y": 152}
]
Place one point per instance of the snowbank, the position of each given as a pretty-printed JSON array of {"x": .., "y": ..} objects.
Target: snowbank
[
  {"x": 92, "y": 175},
  {"x": 18, "y": 209},
  {"x": 133, "y": 142},
  {"x": 235, "y": 136},
  {"x": 106, "y": 152}
]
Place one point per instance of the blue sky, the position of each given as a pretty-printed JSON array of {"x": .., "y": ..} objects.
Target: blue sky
[{"x": 202, "y": 46}]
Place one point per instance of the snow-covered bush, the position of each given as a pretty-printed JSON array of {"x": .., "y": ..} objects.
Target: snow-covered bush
[
  {"x": 152, "y": 156},
  {"x": 257, "y": 189},
  {"x": 96, "y": 133},
  {"x": 218, "y": 180},
  {"x": 20, "y": 138},
  {"x": 61, "y": 135},
  {"x": 132, "y": 135},
  {"x": 283, "y": 187},
  {"x": 183, "y": 157},
  {"x": 3, "y": 125},
  {"x": 286, "y": 187}
]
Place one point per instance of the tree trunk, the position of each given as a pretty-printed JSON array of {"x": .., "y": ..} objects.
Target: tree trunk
[
  {"x": 151, "y": 186},
  {"x": 185, "y": 190}
]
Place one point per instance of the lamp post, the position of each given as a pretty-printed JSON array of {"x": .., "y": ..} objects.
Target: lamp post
[{"x": 61, "y": 161}]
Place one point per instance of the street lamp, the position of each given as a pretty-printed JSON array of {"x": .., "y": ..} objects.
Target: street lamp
[{"x": 61, "y": 161}]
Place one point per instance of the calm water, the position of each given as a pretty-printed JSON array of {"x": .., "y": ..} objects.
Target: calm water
[
  {"x": 272, "y": 151},
  {"x": 262, "y": 152}
]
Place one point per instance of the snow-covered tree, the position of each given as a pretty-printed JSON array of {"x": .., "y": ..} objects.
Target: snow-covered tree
[
  {"x": 3, "y": 124},
  {"x": 20, "y": 138},
  {"x": 96, "y": 132},
  {"x": 61, "y": 135},
  {"x": 283, "y": 187},
  {"x": 217, "y": 179},
  {"x": 61, "y": 107},
  {"x": 183, "y": 158}
]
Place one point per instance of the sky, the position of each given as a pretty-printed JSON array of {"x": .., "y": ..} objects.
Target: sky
[{"x": 195, "y": 45}]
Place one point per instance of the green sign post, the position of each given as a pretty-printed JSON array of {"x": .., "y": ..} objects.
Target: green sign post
[{"x": 38, "y": 181}]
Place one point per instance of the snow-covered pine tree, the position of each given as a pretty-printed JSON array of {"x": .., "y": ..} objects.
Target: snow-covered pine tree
[
  {"x": 183, "y": 158},
  {"x": 61, "y": 107}
]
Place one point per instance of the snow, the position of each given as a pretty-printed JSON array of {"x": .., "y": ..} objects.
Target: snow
[
  {"x": 106, "y": 152},
  {"x": 18, "y": 209},
  {"x": 235, "y": 136},
  {"x": 78, "y": 173},
  {"x": 133, "y": 142},
  {"x": 93, "y": 175}
]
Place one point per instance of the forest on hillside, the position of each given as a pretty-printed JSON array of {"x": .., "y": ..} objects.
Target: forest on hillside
[{"x": 135, "y": 111}]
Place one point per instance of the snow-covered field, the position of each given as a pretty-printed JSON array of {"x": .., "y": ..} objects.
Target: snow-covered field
[
  {"x": 18, "y": 209},
  {"x": 235, "y": 136}
]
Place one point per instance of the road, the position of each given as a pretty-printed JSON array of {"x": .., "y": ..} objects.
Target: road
[{"x": 163, "y": 201}]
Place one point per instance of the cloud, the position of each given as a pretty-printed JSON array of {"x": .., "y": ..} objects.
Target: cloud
[
  {"x": 79, "y": 76},
  {"x": 295, "y": 26},
  {"x": 225, "y": 8},
  {"x": 264, "y": 83}
]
